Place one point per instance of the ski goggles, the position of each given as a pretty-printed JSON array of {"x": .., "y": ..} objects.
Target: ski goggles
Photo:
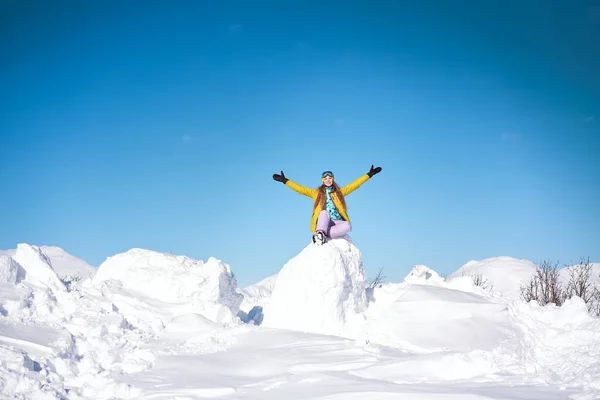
[{"x": 326, "y": 174}]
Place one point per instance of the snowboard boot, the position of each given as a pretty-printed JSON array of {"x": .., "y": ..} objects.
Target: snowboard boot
[{"x": 318, "y": 238}]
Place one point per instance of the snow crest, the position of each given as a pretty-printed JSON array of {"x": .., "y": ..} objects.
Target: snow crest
[
  {"x": 504, "y": 274},
  {"x": 423, "y": 274},
  {"x": 10, "y": 270},
  {"x": 38, "y": 267},
  {"x": 175, "y": 279},
  {"x": 321, "y": 290}
]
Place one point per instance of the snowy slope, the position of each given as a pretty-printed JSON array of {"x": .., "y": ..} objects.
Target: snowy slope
[
  {"x": 171, "y": 283},
  {"x": 258, "y": 294},
  {"x": 506, "y": 274},
  {"x": 157, "y": 326},
  {"x": 63, "y": 263},
  {"x": 594, "y": 274}
]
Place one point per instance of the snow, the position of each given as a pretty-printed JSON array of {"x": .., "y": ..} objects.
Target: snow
[
  {"x": 258, "y": 294},
  {"x": 68, "y": 265},
  {"x": 150, "y": 325},
  {"x": 38, "y": 267},
  {"x": 422, "y": 274},
  {"x": 594, "y": 274},
  {"x": 207, "y": 288},
  {"x": 505, "y": 274},
  {"x": 321, "y": 290},
  {"x": 10, "y": 270},
  {"x": 63, "y": 263}
]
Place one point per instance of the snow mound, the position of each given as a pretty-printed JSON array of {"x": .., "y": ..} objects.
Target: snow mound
[
  {"x": 423, "y": 274},
  {"x": 63, "y": 263},
  {"x": 558, "y": 343},
  {"x": 10, "y": 270},
  {"x": 67, "y": 264},
  {"x": 38, "y": 267},
  {"x": 594, "y": 278},
  {"x": 262, "y": 289},
  {"x": 175, "y": 279},
  {"x": 257, "y": 295},
  {"x": 504, "y": 274},
  {"x": 321, "y": 290},
  {"x": 412, "y": 317}
]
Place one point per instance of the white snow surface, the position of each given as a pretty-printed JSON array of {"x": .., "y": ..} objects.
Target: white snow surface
[
  {"x": 10, "y": 270},
  {"x": 505, "y": 274},
  {"x": 38, "y": 267},
  {"x": 422, "y": 273},
  {"x": 207, "y": 288},
  {"x": 258, "y": 294},
  {"x": 159, "y": 326},
  {"x": 63, "y": 263},
  {"x": 594, "y": 274},
  {"x": 321, "y": 290}
]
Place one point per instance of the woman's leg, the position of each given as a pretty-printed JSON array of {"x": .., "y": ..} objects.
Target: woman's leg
[
  {"x": 323, "y": 222},
  {"x": 339, "y": 228}
]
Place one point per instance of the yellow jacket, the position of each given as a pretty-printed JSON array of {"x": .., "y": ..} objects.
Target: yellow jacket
[{"x": 312, "y": 193}]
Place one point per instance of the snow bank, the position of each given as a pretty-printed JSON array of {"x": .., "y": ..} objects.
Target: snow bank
[
  {"x": 423, "y": 274},
  {"x": 38, "y": 267},
  {"x": 594, "y": 274},
  {"x": 558, "y": 343},
  {"x": 504, "y": 274},
  {"x": 10, "y": 270},
  {"x": 66, "y": 264},
  {"x": 63, "y": 263},
  {"x": 210, "y": 287},
  {"x": 256, "y": 297},
  {"x": 260, "y": 290},
  {"x": 320, "y": 290},
  {"x": 412, "y": 317}
]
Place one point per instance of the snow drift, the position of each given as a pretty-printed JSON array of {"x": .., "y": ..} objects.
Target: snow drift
[
  {"x": 422, "y": 274},
  {"x": 10, "y": 270},
  {"x": 66, "y": 264},
  {"x": 207, "y": 288},
  {"x": 63, "y": 263},
  {"x": 504, "y": 274},
  {"x": 321, "y": 290},
  {"x": 38, "y": 267},
  {"x": 258, "y": 294}
]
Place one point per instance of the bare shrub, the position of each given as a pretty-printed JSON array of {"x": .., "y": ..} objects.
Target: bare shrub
[
  {"x": 529, "y": 290},
  {"x": 544, "y": 287},
  {"x": 481, "y": 281},
  {"x": 594, "y": 305},
  {"x": 378, "y": 280},
  {"x": 580, "y": 281}
]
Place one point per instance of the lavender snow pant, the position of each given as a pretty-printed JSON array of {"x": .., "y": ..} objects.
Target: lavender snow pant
[{"x": 332, "y": 228}]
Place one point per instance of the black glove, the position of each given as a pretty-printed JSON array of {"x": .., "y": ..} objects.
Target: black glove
[
  {"x": 373, "y": 171},
  {"x": 280, "y": 178}
]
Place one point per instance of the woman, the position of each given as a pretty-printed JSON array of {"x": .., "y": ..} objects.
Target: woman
[{"x": 330, "y": 216}]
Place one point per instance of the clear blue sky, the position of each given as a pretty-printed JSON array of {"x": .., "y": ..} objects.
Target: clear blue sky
[{"x": 159, "y": 125}]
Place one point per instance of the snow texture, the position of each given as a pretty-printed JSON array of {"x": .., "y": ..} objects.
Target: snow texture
[
  {"x": 257, "y": 295},
  {"x": 63, "y": 263},
  {"x": 321, "y": 290},
  {"x": 422, "y": 274},
  {"x": 175, "y": 279},
  {"x": 505, "y": 274},
  {"x": 38, "y": 267},
  {"x": 158, "y": 326},
  {"x": 10, "y": 270}
]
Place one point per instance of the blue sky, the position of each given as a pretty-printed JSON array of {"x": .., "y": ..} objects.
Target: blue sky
[{"x": 159, "y": 126}]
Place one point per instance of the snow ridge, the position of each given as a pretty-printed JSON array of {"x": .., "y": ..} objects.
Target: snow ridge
[{"x": 155, "y": 325}]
